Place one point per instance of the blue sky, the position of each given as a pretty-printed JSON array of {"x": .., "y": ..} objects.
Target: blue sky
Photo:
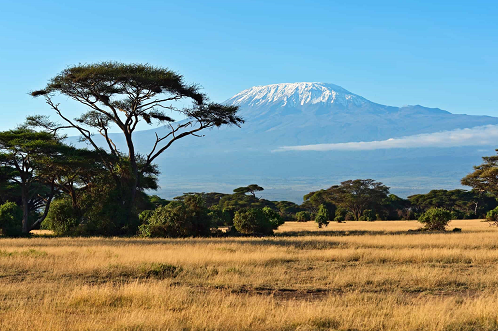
[{"x": 434, "y": 53}]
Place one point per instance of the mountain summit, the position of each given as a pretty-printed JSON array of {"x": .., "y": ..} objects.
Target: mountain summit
[{"x": 296, "y": 94}]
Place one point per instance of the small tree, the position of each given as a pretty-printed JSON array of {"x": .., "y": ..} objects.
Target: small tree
[
  {"x": 61, "y": 217},
  {"x": 322, "y": 216},
  {"x": 10, "y": 219},
  {"x": 435, "y": 219}
]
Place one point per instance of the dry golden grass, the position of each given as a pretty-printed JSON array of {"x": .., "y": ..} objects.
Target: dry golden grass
[{"x": 351, "y": 276}]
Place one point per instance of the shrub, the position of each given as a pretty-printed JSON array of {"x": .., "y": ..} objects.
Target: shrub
[
  {"x": 273, "y": 217},
  {"x": 254, "y": 221},
  {"x": 322, "y": 216},
  {"x": 220, "y": 217},
  {"x": 61, "y": 217},
  {"x": 303, "y": 216},
  {"x": 368, "y": 215},
  {"x": 11, "y": 219},
  {"x": 177, "y": 219},
  {"x": 435, "y": 219},
  {"x": 340, "y": 214},
  {"x": 492, "y": 216}
]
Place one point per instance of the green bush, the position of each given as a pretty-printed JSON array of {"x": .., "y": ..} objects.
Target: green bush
[
  {"x": 61, "y": 217},
  {"x": 254, "y": 221},
  {"x": 492, "y": 215},
  {"x": 368, "y": 215},
  {"x": 273, "y": 217},
  {"x": 322, "y": 216},
  {"x": 220, "y": 217},
  {"x": 303, "y": 216},
  {"x": 188, "y": 218},
  {"x": 435, "y": 219},
  {"x": 10, "y": 219},
  {"x": 340, "y": 214}
]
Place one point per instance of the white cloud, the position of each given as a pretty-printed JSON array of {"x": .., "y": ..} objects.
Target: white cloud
[{"x": 479, "y": 135}]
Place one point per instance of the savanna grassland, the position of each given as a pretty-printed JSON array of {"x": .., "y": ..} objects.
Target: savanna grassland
[{"x": 352, "y": 276}]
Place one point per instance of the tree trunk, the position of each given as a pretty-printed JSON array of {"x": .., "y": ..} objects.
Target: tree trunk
[
  {"x": 25, "y": 210},
  {"x": 47, "y": 207},
  {"x": 134, "y": 169}
]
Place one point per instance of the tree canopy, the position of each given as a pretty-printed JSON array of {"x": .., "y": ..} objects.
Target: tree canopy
[{"x": 27, "y": 158}]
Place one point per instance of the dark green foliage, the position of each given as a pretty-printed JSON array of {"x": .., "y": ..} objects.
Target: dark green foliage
[
  {"x": 322, "y": 216},
  {"x": 368, "y": 215},
  {"x": 313, "y": 201},
  {"x": 27, "y": 158},
  {"x": 178, "y": 219},
  {"x": 340, "y": 214},
  {"x": 396, "y": 208},
  {"x": 10, "y": 219},
  {"x": 485, "y": 176},
  {"x": 462, "y": 203},
  {"x": 435, "y": 219},
  {"x": 234, "y": 202},
  {"x": 352, "y": 195},
  {"x": 287, "y": 209},
  {"x": 255, "y": 221},
  {"x": 273, "y": 217},
  {"x": 211, "y": 199},
  {"x": 492, "y": 216},
  {"x": 61, "y": 217},
  {"x": 303, "y": 216},
  {"x": 220, "y": 217},
  {"x": 359, "y": 195},
  {"x": 157, "y": 201}
]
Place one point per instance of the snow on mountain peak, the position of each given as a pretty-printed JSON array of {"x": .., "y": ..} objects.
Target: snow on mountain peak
[{"x": 295, "y": 94}]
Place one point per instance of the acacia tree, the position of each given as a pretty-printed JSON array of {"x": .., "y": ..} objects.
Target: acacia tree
[
  {"x": 358, "y": 195},
  {"x": 484, "y": 178},
  {"x": 73, "y": 172},
  {"x": 253, "y": 188},
  {"x": 314, "y": 200},
  {"x": 123, "y": 95}
]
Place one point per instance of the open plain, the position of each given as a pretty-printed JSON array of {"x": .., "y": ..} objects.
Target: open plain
[{"x": 350, "y": 276}]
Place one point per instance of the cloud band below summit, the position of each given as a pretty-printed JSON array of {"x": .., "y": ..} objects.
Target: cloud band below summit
[{"x": 480, "y": 135}]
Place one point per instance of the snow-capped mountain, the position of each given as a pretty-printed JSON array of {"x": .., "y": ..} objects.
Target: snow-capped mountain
[
  {"x": 296, "y": 94},
  {"x": 313, "y": 113}
]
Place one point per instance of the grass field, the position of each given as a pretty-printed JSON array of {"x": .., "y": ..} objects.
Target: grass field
[{"x": 351, "y": 276}]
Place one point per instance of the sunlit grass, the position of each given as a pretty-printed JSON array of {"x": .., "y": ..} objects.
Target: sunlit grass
[{"x": 350, "y": 276}]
